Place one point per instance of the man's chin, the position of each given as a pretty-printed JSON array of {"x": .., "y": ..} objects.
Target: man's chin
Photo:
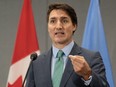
[{"x": 60, "y": 42}]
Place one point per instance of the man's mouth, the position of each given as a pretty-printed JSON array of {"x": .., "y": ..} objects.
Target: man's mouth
[{"x": 56, "y": 33}]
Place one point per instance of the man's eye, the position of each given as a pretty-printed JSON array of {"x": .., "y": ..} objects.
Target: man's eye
[
  {"x": 65, "y": 21},
  {"x": 52, "y": 21}
]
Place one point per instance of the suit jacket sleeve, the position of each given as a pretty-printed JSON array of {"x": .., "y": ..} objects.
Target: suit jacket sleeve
[{"x": 98, "y": 72}]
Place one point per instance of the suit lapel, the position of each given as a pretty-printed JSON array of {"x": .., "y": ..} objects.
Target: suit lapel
[
  {"x": 47, "y": 68},
  {"x": 67, "y": 73},
  {"x": 69, "y": 68}
]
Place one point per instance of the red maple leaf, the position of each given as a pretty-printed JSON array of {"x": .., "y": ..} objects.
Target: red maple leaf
[{"x": 17, "y": 83}]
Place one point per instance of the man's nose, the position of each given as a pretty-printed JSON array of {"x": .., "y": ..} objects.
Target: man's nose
[{"x": 59, "y": 25}]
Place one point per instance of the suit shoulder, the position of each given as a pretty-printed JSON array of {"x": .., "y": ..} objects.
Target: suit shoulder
[
  {"x": 42, "y": 56},
  {"x": 89, "y": 52},
  {"x": 91, "y": 55}
]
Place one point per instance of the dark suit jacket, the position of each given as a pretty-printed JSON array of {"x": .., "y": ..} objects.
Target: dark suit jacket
[{"x": 40, "y": 71}]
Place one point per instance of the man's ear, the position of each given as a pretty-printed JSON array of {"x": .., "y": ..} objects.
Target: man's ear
[{"x": 75, "y": 27}]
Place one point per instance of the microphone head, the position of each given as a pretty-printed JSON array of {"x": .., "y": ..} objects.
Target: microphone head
[{"x": 33, "y": 56}]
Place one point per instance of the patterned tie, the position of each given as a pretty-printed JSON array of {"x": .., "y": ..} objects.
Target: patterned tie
[{"x": 58, "y": 69}]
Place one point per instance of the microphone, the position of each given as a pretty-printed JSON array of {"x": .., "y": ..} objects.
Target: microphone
[{"x": 32, "y": 57}]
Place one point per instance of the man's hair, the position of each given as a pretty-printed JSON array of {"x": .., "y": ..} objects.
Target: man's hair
[{"x": 65, "y": 7}]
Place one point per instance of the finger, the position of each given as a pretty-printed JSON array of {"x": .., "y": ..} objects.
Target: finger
[
  {"x": 71, "y": 57},
  {"x": 78, "y": 61},
  {"x": 78, "y": 64},
  {"x": 77, "y": 58},
  {"x": 78, "y": 69}
]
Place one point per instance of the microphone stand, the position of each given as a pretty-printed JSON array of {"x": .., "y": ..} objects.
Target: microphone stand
[{"x": 32, "y": 57}]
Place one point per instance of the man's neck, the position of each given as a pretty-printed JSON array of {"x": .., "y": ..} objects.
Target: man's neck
[{"x": 61, "y": 45}]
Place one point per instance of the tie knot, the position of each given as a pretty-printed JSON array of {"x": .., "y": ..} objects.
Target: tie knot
[{"x": 60, "y": 54}]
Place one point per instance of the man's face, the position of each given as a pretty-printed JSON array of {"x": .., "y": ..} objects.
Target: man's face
[{"x": 60, "y": 27}]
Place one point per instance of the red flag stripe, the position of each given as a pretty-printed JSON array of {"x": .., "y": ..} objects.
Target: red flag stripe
[{"x": 26, "y": 35}]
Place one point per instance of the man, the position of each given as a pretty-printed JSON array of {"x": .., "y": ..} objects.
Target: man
[{"x": 78, "y": 67}]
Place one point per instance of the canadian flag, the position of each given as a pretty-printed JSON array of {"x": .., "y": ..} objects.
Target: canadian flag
[{"x": 26, "y": 43}]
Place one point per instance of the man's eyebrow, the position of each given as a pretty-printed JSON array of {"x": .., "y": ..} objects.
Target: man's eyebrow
[
  {"x": 64, "y": 17},
  {"x": 60, "y": 18},
  {"x": 53, "y": 18}
]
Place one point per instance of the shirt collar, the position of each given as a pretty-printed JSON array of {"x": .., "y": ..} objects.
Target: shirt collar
[{"x": 67, "y": 49}]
